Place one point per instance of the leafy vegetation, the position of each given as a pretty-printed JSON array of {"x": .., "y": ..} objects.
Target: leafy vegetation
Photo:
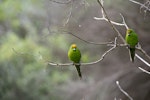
[{"x": 24, "y": 73}]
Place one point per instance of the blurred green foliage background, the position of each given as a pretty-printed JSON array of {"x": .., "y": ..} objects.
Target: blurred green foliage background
[
  {"x": 26, "y": 46},
  {"x": 24, "y": 73}
]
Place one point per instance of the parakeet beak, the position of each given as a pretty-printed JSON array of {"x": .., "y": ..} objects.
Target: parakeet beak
[{"x": 74, "y": 49}]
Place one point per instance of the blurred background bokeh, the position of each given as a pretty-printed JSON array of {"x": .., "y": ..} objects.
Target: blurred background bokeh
[{"x": 31, "y": 36}]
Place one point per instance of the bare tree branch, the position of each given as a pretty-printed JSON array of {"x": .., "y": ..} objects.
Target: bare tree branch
[
  {"x": 60, "y": 64},
  {"x": 123, "y": 91},
  {"x": 142, "y": 5},
  {"x": 66, "y": 2},
  {"x": 84, "y": 2},
  {"x": 117, "y": 99},
  {"x": 83, "y": 64},
  {"x": 113, "y": 44},
  {"x": 141, "y": 50},
  {"x": 145, "y": 71},
  {"x": 102, "y": 43},
  {"x": 90, "y": 63},
  {"x": 105, "y": 17},
  {"x": 113, "y": 22},
  {"x": 113, "y": 27},
  {"x": 102, "y": 57},
  {"x": 124, "y": 21},
  {"x": 142, "y": 60},
  {"x": 69, "y": 15}
]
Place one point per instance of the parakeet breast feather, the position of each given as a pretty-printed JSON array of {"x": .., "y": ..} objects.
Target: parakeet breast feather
[{"x": 74, "y": 55}]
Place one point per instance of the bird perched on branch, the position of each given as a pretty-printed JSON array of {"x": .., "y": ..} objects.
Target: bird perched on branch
[
  {"x": 132, "y": 40},
  {"x": 74, "y": 55}
]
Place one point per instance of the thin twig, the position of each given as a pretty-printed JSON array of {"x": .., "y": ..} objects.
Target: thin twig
[
  {"x": 102, "y": 57},
  {"x": 85, "y": 3},
  {"x": 21, "y": 53},
  {"x": 67, "y": 1},
  {"x": 142, "y": 5},
  {"x": 102, "y": 43},
  {"x": 117, "y": 99},
  {"x": 124, "y": 22},
  {"x": 144, "y": 53},
  {"x": 103, "y": 18},
  {"x": 59, "y": 64},
  {"x": 69, "y": 15},
  {"x": 142, "y": 60},
  {"x": 113, "y": 22},
  {"x": 123, "y": 91},
  {"x": 145, "y": 71},
  {"x": 28, "y": 54}
]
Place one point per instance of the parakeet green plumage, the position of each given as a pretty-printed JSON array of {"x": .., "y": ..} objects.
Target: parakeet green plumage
[
  {"x": 132, "y": 40},
  {"x": 74, "y": 55}
]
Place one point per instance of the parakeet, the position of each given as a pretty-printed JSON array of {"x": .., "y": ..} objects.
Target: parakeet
[
  {"x": 74, "y": 55},
  {"x": 132, "y": 40}
]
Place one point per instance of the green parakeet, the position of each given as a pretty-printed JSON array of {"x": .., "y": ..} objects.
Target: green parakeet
[
  {"x": 132, "y": 40},
  {"x": 74, "y": 55}
]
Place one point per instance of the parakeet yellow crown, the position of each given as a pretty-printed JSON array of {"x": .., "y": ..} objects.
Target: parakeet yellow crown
[
  {"x": 129, "y": 31},
  {"x": 74, "y": 46}
]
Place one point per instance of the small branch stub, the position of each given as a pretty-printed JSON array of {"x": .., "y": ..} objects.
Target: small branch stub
[{"x": 123, "y": 91}]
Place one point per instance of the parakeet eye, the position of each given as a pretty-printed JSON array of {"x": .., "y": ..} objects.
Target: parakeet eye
[{"x": 74, "y": 49}]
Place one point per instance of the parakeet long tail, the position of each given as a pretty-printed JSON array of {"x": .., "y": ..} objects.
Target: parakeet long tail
[
  {"x": 78, "y": 70},
  {"x": 132, "y": 54}
]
